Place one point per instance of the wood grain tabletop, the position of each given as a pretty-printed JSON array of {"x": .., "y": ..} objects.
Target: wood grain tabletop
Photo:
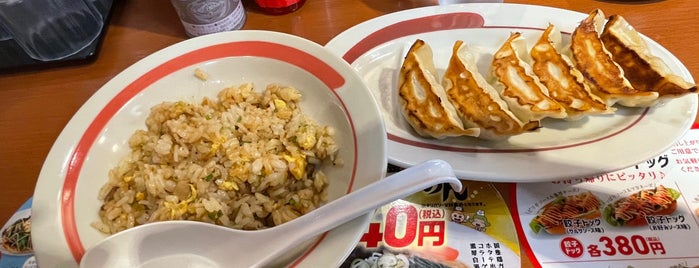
[{"x": 35, "y": 105}]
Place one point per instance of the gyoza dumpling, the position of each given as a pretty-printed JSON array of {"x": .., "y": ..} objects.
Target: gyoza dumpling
[
  {"x": 513, "y": 78},
  {"x": 477, "y": 102},
  {"x": 424, "y": 102},
  {"x": 645, "y": 71},
  {"x": 565, "y": 83},
  {"x": 605, "y": 76}
]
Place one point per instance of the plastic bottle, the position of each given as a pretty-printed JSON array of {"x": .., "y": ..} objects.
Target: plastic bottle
[
  {"x": 200, "y": 17},
  {"x": 279, "y": 7}
]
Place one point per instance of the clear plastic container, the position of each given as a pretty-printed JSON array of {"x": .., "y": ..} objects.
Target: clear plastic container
[
  {"x": 50, "y": 29},
  {"x": 4, "y": 34}
]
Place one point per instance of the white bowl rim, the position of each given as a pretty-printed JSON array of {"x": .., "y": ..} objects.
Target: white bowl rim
[{"x": 54, "y": 198}]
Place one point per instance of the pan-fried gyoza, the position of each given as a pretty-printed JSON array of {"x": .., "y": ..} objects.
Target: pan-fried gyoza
[
  {"x": 604, "y": 64},
  {"x": 423, "y": 100},
  {"x": 565, "y": 83},
  {"x": 644, "y": 71},
  {"x": 477, "y": 102},
  {"x": 517, "y": 84},
  {"x": 606, "y": 77}
]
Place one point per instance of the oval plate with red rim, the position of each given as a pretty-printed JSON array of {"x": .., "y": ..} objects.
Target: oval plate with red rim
[
  {"x": 562, "y": 149},
  {"x": 65, "y": 198}
]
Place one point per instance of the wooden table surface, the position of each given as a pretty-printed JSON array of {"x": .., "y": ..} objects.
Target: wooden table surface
[{"x": 36, "y": 105}]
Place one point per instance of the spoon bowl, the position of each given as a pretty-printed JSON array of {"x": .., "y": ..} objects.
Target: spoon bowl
[{"x": 197, "y": 244}]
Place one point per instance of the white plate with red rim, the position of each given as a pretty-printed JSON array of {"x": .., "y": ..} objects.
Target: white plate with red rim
[
  {"x": 65, "y": 199},
  {"x": 562, "y": 149}
]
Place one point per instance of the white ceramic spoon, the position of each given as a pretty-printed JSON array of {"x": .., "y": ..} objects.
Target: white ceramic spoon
[{"x": 196, "y": 244}]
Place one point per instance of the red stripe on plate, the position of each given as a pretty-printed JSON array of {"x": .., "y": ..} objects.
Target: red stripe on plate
[
  {"x": 308, "y": 252},
  {"x": 520, "y": 227},
  {"x": 432, "y": 23},
  {"x": 425, "y": 145},
  {"x": 321, "y": 70}
]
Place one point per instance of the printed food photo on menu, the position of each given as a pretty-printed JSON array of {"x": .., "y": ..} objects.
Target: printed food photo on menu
[
  {"x": 552, "y": 218},
  {"x": 391, "y": 258},
  {"x": 16, "y": 238},
  {"x": 634, "y": 209}
]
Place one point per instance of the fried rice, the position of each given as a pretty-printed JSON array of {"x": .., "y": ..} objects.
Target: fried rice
[{"x": 247, "y": 160}]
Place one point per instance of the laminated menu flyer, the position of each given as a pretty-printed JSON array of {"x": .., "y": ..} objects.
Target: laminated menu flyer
[
  {"x": 643, "y": 216},
  {"x": 440, "y": 227}
]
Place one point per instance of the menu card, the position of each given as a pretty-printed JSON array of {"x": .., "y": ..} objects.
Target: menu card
[
  {"x": 646, "y": 215},
  {"x": 643, "y": 216},
  {"x": 440, "y": 227}
]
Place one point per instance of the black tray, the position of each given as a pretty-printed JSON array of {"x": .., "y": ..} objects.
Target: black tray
[{"x": 14, "y": 59}]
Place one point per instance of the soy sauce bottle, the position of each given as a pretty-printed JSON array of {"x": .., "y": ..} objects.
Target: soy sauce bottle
[
  {"x": 201, "y": 17},
  {"x": 279, "y": 7}
]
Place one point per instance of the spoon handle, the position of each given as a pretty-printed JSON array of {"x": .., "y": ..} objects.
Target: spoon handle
[{"x": 354, "y": 204}]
